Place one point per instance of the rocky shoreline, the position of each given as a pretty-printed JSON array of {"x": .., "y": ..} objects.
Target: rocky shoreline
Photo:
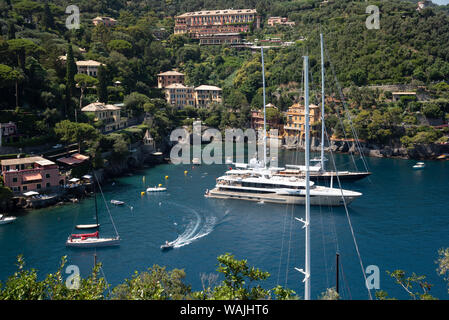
[{"x": 419, "y": 152}]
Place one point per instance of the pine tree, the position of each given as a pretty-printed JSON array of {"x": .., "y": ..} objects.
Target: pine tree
[
  {"x": 102, "y": 90},
  {"x": 71, "y": 70}
]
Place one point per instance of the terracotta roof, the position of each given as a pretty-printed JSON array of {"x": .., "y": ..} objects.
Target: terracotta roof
[
  {"x": 171, "y": 73},
  {"x": 31, "y": 177},
  {"x": 74, "y": 159},
  {"x": 88, "y": 63},
  {"x": 99, "y": 106},
  {"x": 103, "y": 18},
  {"x": 19, "y": 161},
  {"x": 206, "y": 87},
  {"x": 177, "y": 86},
  {"x": 216, "y": 12}
]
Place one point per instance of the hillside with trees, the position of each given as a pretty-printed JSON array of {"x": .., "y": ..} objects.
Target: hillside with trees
[{"x": 39, "y": 90}]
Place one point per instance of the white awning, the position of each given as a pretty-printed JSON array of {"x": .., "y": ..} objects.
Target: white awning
[
  {"x": 87, "y": 177},
  {"x": 30, "y": 193},
  {"x": 74, "y": 180}
]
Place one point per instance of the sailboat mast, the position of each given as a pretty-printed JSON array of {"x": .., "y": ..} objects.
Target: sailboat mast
[
  {"x": 322, "y": 103},
  {"x": 264, "y": 114},
  {"x": 96, "y": 206},
  {"x": 307, "y": 162}
]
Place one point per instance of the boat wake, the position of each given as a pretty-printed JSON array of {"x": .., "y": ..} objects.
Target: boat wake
[{"x": 198, "y": 227}]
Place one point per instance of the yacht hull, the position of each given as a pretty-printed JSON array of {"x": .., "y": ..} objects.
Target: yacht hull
[
  {"x": 328, "y": 176},
  {"x": 93, "y": 242},
  {"x": 322, "y": 200}
]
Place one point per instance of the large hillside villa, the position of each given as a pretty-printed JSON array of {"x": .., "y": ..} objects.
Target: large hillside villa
[
  {"x": 108, "y": 114},
  {"x": 216, "y": 24}
]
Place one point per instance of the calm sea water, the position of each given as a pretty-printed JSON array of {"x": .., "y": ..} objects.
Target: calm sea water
[{"x": 400, "y": 223}]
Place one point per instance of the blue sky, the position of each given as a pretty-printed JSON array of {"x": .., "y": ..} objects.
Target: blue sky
[{"x": 441, "y": 1}]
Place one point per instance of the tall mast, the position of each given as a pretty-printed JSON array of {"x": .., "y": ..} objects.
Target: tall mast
[
  {"x": 95, "y": 197},
  {"x": 322, "y": 103},
  {"x": 264, "y": 114},
  {"x": 306, "y": 222},
  {"x": 307, "y": 162}
]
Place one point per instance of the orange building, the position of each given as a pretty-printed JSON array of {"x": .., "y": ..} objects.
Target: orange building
[
  {"x": 207, "y": 23},
  {"x": 167, "y": 78},
  {"x": 295, "y": 123}
]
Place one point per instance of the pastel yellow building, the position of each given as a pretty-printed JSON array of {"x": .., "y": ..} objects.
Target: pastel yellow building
[
  {"x": 206, "y": 95},
  {"x": 108, "y": 114},
  {"x": 295, "y": 120},
  {"x": 179, "y": 95}
]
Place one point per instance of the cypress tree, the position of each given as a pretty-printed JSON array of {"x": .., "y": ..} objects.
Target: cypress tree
[
  {"x": 71, "y": 70},
  {"x": 11, "y": 31},
  {"x": 48, "y": 21},
  {"x": 102, "y": 90}
]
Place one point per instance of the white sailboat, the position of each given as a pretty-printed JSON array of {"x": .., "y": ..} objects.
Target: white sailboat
[{"x": 93, "y": 240}]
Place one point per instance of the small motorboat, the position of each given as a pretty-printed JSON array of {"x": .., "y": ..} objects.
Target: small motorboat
[
  {"x": 167, "y": 246},
  {"x": 117, "y": 202},
  {"x": 156, "y": 189},
  {"x": 87, "y": 226},
  {"x": 419, "y": 165},
  {"x": 6, "y": 220},
  {"x": 196, "y": 161}
]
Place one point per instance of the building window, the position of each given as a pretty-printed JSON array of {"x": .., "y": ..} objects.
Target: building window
[
  {"x": 14, "y": 179},
  {"x": 25, "y": 188},
  {"x": 38, "y": 186},
  {"x": 48, "y": 185},
  {"x": 47, "y": 175}
]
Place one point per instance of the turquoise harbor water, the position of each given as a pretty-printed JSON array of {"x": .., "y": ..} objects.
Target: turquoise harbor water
[{"x": 400, "y": 222}]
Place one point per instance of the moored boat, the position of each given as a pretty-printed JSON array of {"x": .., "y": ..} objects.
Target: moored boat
[
  {"x": 156, "y": 189},
  {"x": 419, "y": 165},
  {"x": 6, "y": 219},
  {"x": 117, "y": 202}
]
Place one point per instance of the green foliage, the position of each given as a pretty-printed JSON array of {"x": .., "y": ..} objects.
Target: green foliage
[
  {"x": 24, "y": 285},
  {"x": 432, "y": 110},
  {"x": 72, "y": 132},
  {"x": 154, "y": 284},
  {"x": 238, "y": 280},
  {"x": 121, "y": 46},
  {"x": 102, "y": 89},
  {"x": 409, "y": 283}
]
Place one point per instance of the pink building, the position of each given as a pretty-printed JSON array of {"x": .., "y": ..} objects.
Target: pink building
[
  {"x": 272, "y": 21},
  {"x": 31, "y": 174}
]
